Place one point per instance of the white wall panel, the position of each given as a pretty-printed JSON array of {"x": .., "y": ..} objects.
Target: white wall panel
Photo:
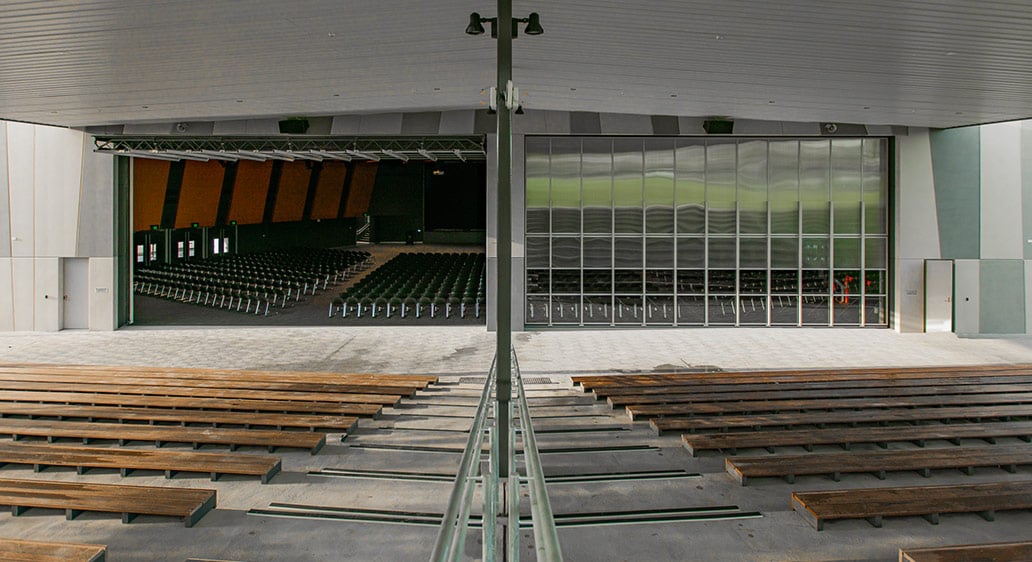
[
  {"x": 917, "y": 225},
  {"x": 625, "y": 124},
  {"x": 454, "y": 122},
  {"x": 1028, "y": 296},
  {"x": 5, "y": 208},
  {"x": 21, "y": 183},
  {"x": 966, "y": 291},
  {"x": 96, "y": 232},
  {"x": 58, "y": 189},
  {"x": 908, "y": 316},
  {"x": 102, "y": 293},
  {"x": 6, "y": 296},
  {"x": 23, "y": 278},
  {"x": 48, "y": 294},
  {"x": 1001, "y": 192}
]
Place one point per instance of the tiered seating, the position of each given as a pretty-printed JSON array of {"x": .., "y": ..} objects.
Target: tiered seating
[
  {"x": 250, "y": 283},
  {"x": 436, "y": 284},
  {"x": 995, "y": 552},
  {"x": 36, "y": 551}
]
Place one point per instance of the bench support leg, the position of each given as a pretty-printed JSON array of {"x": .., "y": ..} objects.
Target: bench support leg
[
  {"x": 932, "y": 518},
  {"x": 988, "y": 515},
  {"x": 169, "y": 474},
  {"x": 17, "y": 510},
  {"x": 127, "y": 517},
  {"x": 72, "y": 513},
  {"x": 875, "y": 521}
]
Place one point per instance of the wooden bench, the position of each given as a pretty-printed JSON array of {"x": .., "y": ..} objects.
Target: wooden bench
[
  {"x": 723, "y": 408},
  {"x": 128, "y": 460},
  {"x": 16, "y": 550},
  {"x": 161, "y": 434},
  {"x": 819, "y": 419},
  {"x": 75, "y": 497},
  {"x": 930, "y": 501},
  {"x": 239, "y": 404},
  {"x": 845, "y": 436},
  {"x": 991, "y": 552},
  {"x": 213, "y": 417},
  {"x": 878, "y": 462}
]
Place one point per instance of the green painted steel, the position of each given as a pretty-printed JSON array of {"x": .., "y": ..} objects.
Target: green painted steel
[
  {"x": 1002, "y": 298},
  {"x": 956, "y": 169}
]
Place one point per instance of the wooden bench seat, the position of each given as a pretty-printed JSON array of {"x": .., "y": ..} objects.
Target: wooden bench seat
[
  {"x": 819, "y": 419},
  {"x": 16, "y": 550},
  {"x": 877, "y": 462},
  {"x": 875, "y": 503},
  {"x": 240, "y": 404},
  {"x": 811, "y": 394},
  {"x": 214, "y": 417},
  {"x": 127, "y": 460},
  {"x": 990, "y": 552},
  {"x": 160, "y": 434},
  {"x": 845, "y": 436},
  {"x": 723, "y": 408},
  {"x": 75, "y": 497}
]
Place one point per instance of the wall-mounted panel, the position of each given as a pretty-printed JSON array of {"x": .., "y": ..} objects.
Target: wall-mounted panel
[
  {"x": 250, "y": 191},
  {"x": 5, "y": 208},
  {"x": 361, "y": 192},
  {"x": 329, "y": 189},
  {"x": 955, "y": 166},
  {"x": 58, "y": 190},
  {"x": 150, "y": 179},
  {"x": 21, "y": 176},
  {"x": 102, "y": 293},
  {"x": 23, "y": 293},
  {"x": 199, "y": 196},
  {"x": 1002, "y": 298},
  {"x": 293, "y": 190},
  {"x": 6, "y": 295},
  {"x": 1001, "y": 192},
  {"x": 917, "y": 225},
  {"x": 96, "y": 205}
]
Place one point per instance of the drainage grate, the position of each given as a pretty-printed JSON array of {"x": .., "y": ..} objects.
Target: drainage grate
[{"x": 526, "y": 380}]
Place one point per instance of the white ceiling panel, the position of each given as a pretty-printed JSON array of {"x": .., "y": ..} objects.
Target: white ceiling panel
[{"x": 932, "y": 63}]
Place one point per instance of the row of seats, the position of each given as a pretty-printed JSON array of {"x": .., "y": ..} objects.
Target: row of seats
[
  {"x": 251, "y": 283},
  {"x": 435, "y": 285}
]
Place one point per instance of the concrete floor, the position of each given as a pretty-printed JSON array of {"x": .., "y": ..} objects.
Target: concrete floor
[{"x": 437, "y": 418}]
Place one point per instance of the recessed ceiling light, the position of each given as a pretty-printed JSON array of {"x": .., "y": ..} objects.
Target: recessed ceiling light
[
  {"x": 145, "y": 106},
  {"x": 336, "y": 95},
  {"x": 867, "y": 107},
  {"x": 240, "y": 101},
  {"x": 331, "y": 34},
  {"x": 959, "y": 113},
  {"x": 673, "y": 95},
  {"x": 770, "y": 101},
  {"x": 718, "y": 37},
  {"x": 437, "y": 89},
  {"x": 950, "y": 53},
  {"x": 573, "y": 89}
]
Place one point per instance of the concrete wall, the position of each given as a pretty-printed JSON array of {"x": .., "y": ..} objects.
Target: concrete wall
[{"x": 56, "y": 202}]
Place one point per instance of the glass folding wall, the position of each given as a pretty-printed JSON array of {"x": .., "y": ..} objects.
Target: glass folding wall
[{"x": 639, "y": 231}]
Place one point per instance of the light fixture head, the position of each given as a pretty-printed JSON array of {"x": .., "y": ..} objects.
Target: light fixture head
[
  {"x": 475, "y": 27},
  {"x": 533, "y": 25}
]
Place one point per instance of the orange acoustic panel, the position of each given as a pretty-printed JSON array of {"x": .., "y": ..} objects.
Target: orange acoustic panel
[
  {"x": 199, "y": 198},
  {"x": 150, "y": 179},
  {"x": 293, "y": 190},
  {"x": 361, "y": 192},
  {"x": 328, "y": 190},
  {"x": 250, "y": 191}
]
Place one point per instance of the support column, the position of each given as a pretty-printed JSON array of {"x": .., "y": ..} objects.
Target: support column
[{"x": 504, "y": 236}]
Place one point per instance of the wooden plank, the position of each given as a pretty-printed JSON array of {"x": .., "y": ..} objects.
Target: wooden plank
[
  {"x": 847, "y": 435},
  {"x": 878, "y": 462},
  {"x": 162, "y": 433},
  {"x": 16, "y": 550},
  {"x": 722, "y": 408},
  {"x": 189, "y": 503},
  {"x": 863, "y": 416},
  {"x": 989, "y": 552},
  {"x": 241, "y": 404},
  {"x": 809, "y": 394},
  {"x": 169, "y": 461},
  {"x": 246, "y": 419},
  {"x": 821, "y": 506}
]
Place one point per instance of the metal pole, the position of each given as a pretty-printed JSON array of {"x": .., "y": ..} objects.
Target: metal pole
[{"x": 504, "y": 236}]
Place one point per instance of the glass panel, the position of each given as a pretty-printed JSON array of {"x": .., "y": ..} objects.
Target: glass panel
[
  {"x": 627, "y": 281},
  {"x": 721, "y": 281},
  {"x": 598, "y": 252},
  {"x": 537, "y": 281},
  {"x": 565, "y": 173},
  {"x": 627, "y": 252},
  {"x": 659, "y": 310},
  {"x": 784, "y": 281},
  {"x": 537, "y": 252},
  {"x": 720, "y": 186},
  {"x": 691, "y": 252},
  {"x": 815, "y": 282},
  {"x": 537, "y": 309},
  {"x": 597, "y": 185},
  {"x": 659, "y": 185},
  {"x": 627, "y": 184},
  {"x": 752, "y": 187},
  {"x": 598, "y": 310},
  {"x": 814, "y": 185},
  {"x": 847, "y": 252},
  {"x": 784, "y": 310},
  {"x": 876, "y": 311},
  {"x": 722, "y": 310},
  {"x": 846, "y": 286},
  {"x": 659, "y": 281},
  {"x": 598, "y": 281},
  {"x": 752, "y": 310},
  {"x": 875, "y": 185},
  {"x": 815, "y": 311},
  {"x": 566, "y": 281},
  {"x": 876, "y": 252},
  {"x": 845, "y": 184},
  {"x": 752, "y": 282},
  {"x": 629, "y": 310},
  {"x": 783, "y": 170},
  {"x": 815, "y": 253},
  {"x": 691, "y": 309},
  {"x": 692, "y": 281},
  {"x": 875, "y": 281},
  {"x": 565, "y": 252},
  {"x": 784, "y": 252},
  {"x": 846, "y": 313},
  {"x": 752, "y": 252},
  {"x": 722, "y": 252},
  {"x": 690, "y": 157},
  {"x": 536, "y": 178},
  {"x": 566, "y": 309},
  {"x": 659, "y": 252}
]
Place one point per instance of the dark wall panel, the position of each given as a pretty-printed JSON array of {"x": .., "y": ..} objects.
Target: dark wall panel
[
  {"x": 249, "y": 192},
  {"x": 199, "y": 196},
  {"x": 293, "y": 189},
  {"x": 150, "y": 177}
]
